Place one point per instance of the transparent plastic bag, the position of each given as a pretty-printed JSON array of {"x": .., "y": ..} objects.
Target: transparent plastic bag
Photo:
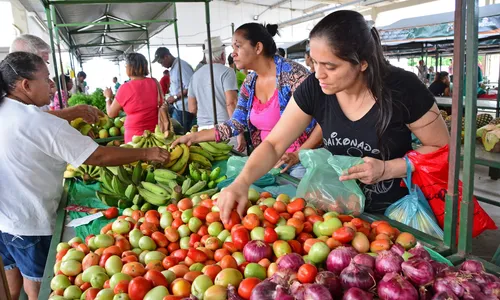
[
  {"x": 234, "y": 166},
  {"x": 413, "y": 209},
  {"x": 321, "y": 186}
]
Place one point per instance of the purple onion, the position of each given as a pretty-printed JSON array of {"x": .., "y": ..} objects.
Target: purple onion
[
  {"x": 365, "y": 260},
  {"x": 419, "y": 252},
  {"x": 492, "y": 289},
  {"x": 357, "y": 294},
  {"x": 281, "y": 294},
  {"x": 254, "y": 251},
  {"x": 398, "y": 249},
  {"x": 291, "y": 261},
  {"x": 339, "y": 258},
  {"x": 448, "y": 283},
  {"x": 388, "y": 262},
  {"x": 232, "y": 293},
  {"x": 284, "y": 278},
  {"x": 297, "y": 290},
  {"x": 394, "y": 287},
  {"x": 357, "y": 276},
  {"x": 446, "y": 295},
  {"x": 472, "y": 266},
  {"x": 441, "y": 269},
  {"x": 419, "y": 271},
  {"x": 331, "y": 281},
  {"x": 317, "y": 292},
  {"x": 266, "y": 290}
]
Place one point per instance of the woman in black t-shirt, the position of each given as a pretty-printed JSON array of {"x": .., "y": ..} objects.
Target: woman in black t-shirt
[
  {"x": 441, "y": 85},
  {"x": 366, "y": 108}
]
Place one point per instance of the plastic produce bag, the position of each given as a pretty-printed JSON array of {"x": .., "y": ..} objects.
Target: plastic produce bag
[
  {"x": 431, "y": 175},
  {"x": 234, "y": 166},
  {"x": 413, "y": 209},
  {"x": 321, "y": 186}
]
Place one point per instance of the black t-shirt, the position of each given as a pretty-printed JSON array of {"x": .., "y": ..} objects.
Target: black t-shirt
[
  {"x": 341, "y": 136},
  {"x": 437, "y": 88}
]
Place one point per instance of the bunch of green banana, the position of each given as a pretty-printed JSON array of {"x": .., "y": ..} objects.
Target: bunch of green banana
[
  {"x": 216, "y": 151},
  {"x": 118, "y": 183},
  {"x": 85, "y": 172},
  {"x": 154, "y": 193},
  {"x": 179, "y": 157},
  {"x": 148, "y": 139}
]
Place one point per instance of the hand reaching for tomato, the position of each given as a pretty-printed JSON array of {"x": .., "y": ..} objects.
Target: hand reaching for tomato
[{"x": 234, "y": 196}]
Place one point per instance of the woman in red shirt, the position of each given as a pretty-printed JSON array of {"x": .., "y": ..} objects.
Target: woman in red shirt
[{"x": 138, "y": 98}]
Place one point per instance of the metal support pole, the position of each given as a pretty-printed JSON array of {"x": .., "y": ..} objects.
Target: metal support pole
[
  {"x": 451, "y": 210},
  {"x": 497, "y": 111},
  {"x": 209, "y": 38},
  {"x": 232, "y": 34},
  {"x": 149, "y": 54},
  {"x": 54, "y": 58},
  {"x": 176, "y": 30},
  {"x": 467, "y": 205},
  {"x": 58, "y": 42}
]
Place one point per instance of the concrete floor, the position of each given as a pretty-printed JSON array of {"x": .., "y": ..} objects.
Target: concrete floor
[{"x": 486, "y": 244}]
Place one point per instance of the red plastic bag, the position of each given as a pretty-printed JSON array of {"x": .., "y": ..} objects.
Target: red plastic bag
[{"x": 431, "y": 175}]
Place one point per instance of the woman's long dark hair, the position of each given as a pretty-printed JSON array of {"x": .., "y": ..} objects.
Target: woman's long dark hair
[
  {"x": 255, "y": 33},
  {"x": 16, "y": 66},
  {"x": 352, "y": 40}
]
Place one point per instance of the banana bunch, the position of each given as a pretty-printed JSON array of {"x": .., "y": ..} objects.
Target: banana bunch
[
  {"x": 205, "y": 178},
  {"x": 81, "y": 126},
  {"x": 217, "y": 151},
  {"x": 85, "y": 172},
  {"x": 150, "y": 139}
]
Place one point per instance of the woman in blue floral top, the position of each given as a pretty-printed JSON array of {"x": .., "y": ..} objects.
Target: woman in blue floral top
[{"x": 263, "y": 96}]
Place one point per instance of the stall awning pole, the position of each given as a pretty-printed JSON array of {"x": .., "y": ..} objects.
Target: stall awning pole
[
  {"x": 54, "y": 57},
  {"x": 211, "y": 60},
  {"x": 176, "y": 30},
  {"x": 232, "y": 34},
  {"x": 58, "y": 42},
  {"x": 149, "y": 55},
  {"x": 451, "y": 210},
  {"x": 467, "y": 205}
]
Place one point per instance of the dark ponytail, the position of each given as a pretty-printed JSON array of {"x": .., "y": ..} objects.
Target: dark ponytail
[
  {"x": 352, "y": 40},
  {"x": 15, "y": 67},
  {"x": 258, "y": 33}
]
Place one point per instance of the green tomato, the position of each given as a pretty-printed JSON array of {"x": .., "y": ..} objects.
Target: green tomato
[
  {"x": 283, "y": 198},
  {"x": 120, "y": 226},
  {"x": 71, "y": 267},
  {"x": 330, "y": 214},
  {"x": 223, "y": 235},
  {"x": 113, "y": 265},
  {"x": 121, "y": 296},
  {"x": 196, "y": 200},
  {"x": 256, "y": 210},
  {"x": 105, "y": 294},
  {"x": 142, "y": 256},
  {"x": 184, "y": 231},
  {"x": 229, "y": 276},
  {"x": 328, "y": 227},
  {"x": 135, "y": 207},
  {"x": 196, "y": 267},
  {"x": 73, "y": 254},
  {"x": 147, "y": 243},
  {"x": 255, "y": 270},
  {"x": 162, "y": 209},
  {"x": 186, "y": 215},
  {"x": 253, "y": 195},
  {"x": 156, "y": 293},
  {"x": 316, "y": 230},
  {"x": 215, "y": 228},
  {"x": 117, "y": 277},
  {"x": 285, "y": 232},
  {"x": 166, "y": 219},
  {"x": 319, "y": 252},
  {"x": 269, "y": 202},
  {"x": 194, "y": 224},
  {"x": 76, "y": 239},
  {"x": 257, "y": 234},
  {"x": 97, "y": 280},
  {"x": 200, "y": 285},
  {"x": 215, "y": 208},
  {"x": 281, "y": 248},
  {"x": 57, "y": 297},
  {"x": 128, "y": 212},
  {"x": 92, "y": 245},
  {"x": 72, "y": 292},
  {"x": 62, "y": 245},
  {"x": 239, "y": 257},
  {"x": 104, "y": 241},
  {"x": 154, "y": 255},
  {"x": 184, "y": 242},
  {"x": 281, "y": 222},
  {"x": 169, "y": 275},
  {"x": 90, "y": 271},
  {"x": 59, "y": 282}
]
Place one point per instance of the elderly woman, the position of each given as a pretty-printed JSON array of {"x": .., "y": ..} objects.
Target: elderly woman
[{"x": 138, "y": 98}]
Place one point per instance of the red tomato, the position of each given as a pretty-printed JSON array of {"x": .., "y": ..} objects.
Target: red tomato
[
  {"x": 302, "y": 237},
  {"x": 308, "y": 244},
  {"x": 307, "y": 273},
  {"x": 270, "y": 236},
  {"x": 314, "y": 218},
  {"x": 271, "y": 215},
  {"x": 148, "y": 228},
  {"x": 172, "y": 234},
  {"x": 160, "y": 239},
  {"x": 121, "y": 287},
  {"x": 296, "y": 246},
  {"x": 110, "y": 213},
  {"x": 207, "y": 203},
  {"x": 172, "y": 207},
  {"x": 236, "y": 227},
  {"x": 246, "y": 287},
  {"x": 266, "y": 223},
  {"x": 177, "y": 223},
  {"x": 285, "y": 215},
  {"x": 156, "y": 278},
  {"x": 180, "y": 254},
  {"x": 344, "y": 234},
  {"x": 104, "y": 258},
  {"x": 279, "y": 206},
  {"x": 138, "y": 288},
  {"x": 242, "y": 267},
  {"x": 92, "y": 294},
  {"x": 194, "y": 238},
  {"x": 169, "y": 262},
  {"x": 173, "y": 246},
  {"x": 211, "y": 271},
  {"x": 203, "y": 230},
  {"x": 220, "y": 253},
  {"x": 298, "y": 224},
  {"x": 231, "y": 247},
  {"x": 345, "y": 218},
  {"x": 213, "y": 216},
  {"x": 251, "y": 221},
  {"x": 234, "y": 219},
  {"x": 228, "y": 262},
  {"x": 201, "y": 212},
  {"x": 197, "y": 255},
  {"x": 184, "y": 204},
  {"x": 308, "y": 227},
  {"x": 296, "y": 205},
  {"x": 299, "y": 215},
  {"x": 240, "y": 238}
]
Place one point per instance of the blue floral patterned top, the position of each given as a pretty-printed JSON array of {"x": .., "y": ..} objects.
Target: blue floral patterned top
[{"x": 289, "y": 75}]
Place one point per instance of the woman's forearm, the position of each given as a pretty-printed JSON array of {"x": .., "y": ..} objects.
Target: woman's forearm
[
  {"x": 314, "y": 140},
  {"x": 395, "y": 168},
  {"x": 206, "y": 135},
  {"x": 263, "y": 159}
]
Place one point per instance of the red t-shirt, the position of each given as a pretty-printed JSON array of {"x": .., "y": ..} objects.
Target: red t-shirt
[
  {"x": 165, "y": 84},
  {"x": 139, "y": 99}
]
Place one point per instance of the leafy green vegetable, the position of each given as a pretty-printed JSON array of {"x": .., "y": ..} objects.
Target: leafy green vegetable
[{"x": 96, "y": 99}]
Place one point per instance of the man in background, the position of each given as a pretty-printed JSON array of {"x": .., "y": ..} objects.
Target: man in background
[
  {"x": 203, "y": 60},
  {"x": 176, "y": 65},
  {"x": 117, "y": 84},
  {"x": 240, "y": 76},
  {"x": 165, "y": 82},
  {"x": 81, "y": 84},
  {"x": 422, "y": 71}
]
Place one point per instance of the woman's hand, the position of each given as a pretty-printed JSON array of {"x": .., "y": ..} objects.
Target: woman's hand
[
  {"x": 288, "y": 159},
  {"x": 242, "y": 144},
  {"x": 234, "y": 196},
  {"x": 370, "y": 172},
  {"x": 157, "y": 154},
  {"x": 187, "y": 139},
  {"x": 108, "y": 93}
]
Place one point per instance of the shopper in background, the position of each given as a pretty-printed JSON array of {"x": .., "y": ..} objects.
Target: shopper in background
[
  {"x": 138, "y": 98},
  {"x": 117, "y": 84},
  {"x": 203, "y": 60},
  {"x": 81, "y": 84},
  {"x": 263, "y": 96},
  {"x": 33, "y": 44},
  {"x": 366, "y": 108},
  {"x": 68, "y": 83},
  {"x": 240, "y": 76},
  {"x": 226, "y": 91},
  {"x": 167, "y": 60},
  {"x": 165, "y": 82},
  {"x": 441, "y": 85},
  {"x": 32, "y": 151},
  {"x": 422, "y": 71},
  {"x": 281, "y": 52}
]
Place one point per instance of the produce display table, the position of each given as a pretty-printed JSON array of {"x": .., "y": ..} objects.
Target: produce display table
[
  {"x": 109, "y": 139},
  {"x": 488, "y": 104}
]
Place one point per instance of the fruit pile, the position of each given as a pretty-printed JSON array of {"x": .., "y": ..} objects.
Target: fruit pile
[
  {"x": 489, "y": 135},
  {"x": 85, "y": 172},
  {"x": 105, "y": 128},
  {"x": 281, "y": 249}
]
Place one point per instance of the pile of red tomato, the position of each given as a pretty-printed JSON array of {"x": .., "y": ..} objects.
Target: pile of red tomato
[{"x": 184, "y": 250}]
